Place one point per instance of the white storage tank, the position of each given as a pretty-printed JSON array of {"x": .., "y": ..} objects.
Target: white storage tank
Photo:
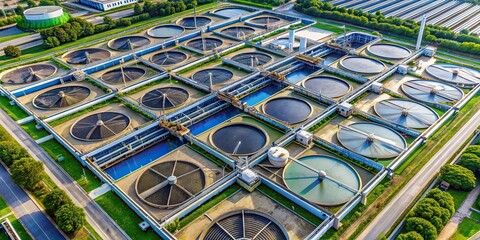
[{"x": 278, "y": 156}]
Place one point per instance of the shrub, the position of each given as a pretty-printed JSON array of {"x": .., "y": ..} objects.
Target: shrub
[
  {"x": 422, "y": 227},
  {"x": 55, "y": 199},
  {"x": 27, "y": 173},
  {"x": 11, "y": 151},
  {"x": 12, "y": 51},
  {"x": 459, "y": 177},
  {"x": 70, "y": 218},
  {"x": 410, "y": 236}
]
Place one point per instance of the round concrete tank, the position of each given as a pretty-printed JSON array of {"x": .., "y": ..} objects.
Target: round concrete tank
[{"x": 278, "y": 156}]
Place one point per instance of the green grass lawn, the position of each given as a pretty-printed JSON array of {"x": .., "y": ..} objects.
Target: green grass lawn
[
  {"x": 467, "y": 228},
  {"x": 458, "y": 196},
  {"x": 124, "y": 216},
  {"x": 15, "y": 112},
  {"x": 32, "y": 130},
  {"x": 26, "y": 53},
  {"x": 71, "y": 165},
  {"x": 4, "y": 209},
  {"x": 476, "y": 216}
]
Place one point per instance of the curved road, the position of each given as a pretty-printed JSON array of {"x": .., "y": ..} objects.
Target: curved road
[
  {"x": 389, "y": 215},
  {"x": 100, "y": 221}
]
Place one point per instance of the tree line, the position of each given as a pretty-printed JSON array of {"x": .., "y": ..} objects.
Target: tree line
[
  {"x": 441, "y": 36},
  {"x": 30, "y": 175},
  {"x": 427, "y": 219},
  {"x": 77, "y": 28}
]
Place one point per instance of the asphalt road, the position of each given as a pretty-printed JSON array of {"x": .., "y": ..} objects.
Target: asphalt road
[
  {"x": 389, "y": 215},
  {"x": 99, "y": 220},
  {"x": 21, "y": 40},
  {"x": 26, "y": 210}
]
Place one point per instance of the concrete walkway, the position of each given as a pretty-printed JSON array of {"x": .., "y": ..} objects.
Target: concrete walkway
[{"x": 462, "y": 212}]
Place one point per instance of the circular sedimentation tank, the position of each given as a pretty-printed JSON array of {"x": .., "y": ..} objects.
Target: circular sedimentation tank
[
  {"x": 406, "y": 113},
  {"x": 324, "y": 180},
  {"x": 473, "y": 72},
  {"x": 244, "y": 224},
  {"x": 239, "y": 138},
  {"x": 30, "y": 73},
  {"x": 100, "y": 126},
  {"x": 165, "y": 31},
  {"x": 238, "y": 31},
  {"x": 123, "y": 75},
  {"x": 286, "y": 43},
  {"x": 168, "y": 58},
  {"x": 165, "y": 98},
  {"x": 230, "y": 12},
  {"x": 288, "y": 109},
  {"x": 128, "y": 43},
  {"x": 189, "y": 22},
  {"x": 61, "y": 97},
  {"x": 328, "y": 86},
  {"x": 253, "y": 59},
  {"x": 452, "y": 75},
  {"x": 371, "y": 140},
  {"x": 388, "y": 51},
  {"x": 362, "y": 65},
  {"x": 265, "y": 21},
  {"x": 86, "y": 56},
  {"x": 205, "y": 44},
  {"x": 215, "y": 75},
  {"x": 431, "y": 91},
  {"x": 170, "y": 183}
]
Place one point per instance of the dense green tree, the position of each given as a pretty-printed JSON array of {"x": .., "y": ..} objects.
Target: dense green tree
[
  {"x": 27, "y": 173},
  {"x": 422, "y": 227},
  {"x": 56, "y": 199},
  {"x": 19, "y": 10},
  {"x": 459, "y": 177},
  {"x": 473, "y": 149},
  {"x": 31, "y": 3},
  {"x": 444, "y": 199},
  {"x": 470, "y": 161},
  {"x": 410, "y": 236},
  {"x": 11, "y": 151},
  {"x": 12, "y": 51},
  {"x": 137, "y": 9},
  {"x": 430, "y": 210},
  {"x": 70, "y": 218}
]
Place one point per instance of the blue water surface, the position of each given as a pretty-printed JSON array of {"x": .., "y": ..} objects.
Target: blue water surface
[
  {"x": 299, "y": 75},
  {"x": 213, "y": 120},
  {"x": 261, "y": 94},
  {"x": 143, "y": 158}
]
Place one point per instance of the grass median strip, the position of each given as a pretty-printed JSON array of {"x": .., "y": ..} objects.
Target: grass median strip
[
  {"x": 71, "y": 165},
  {"x": 126, "y": 218}
]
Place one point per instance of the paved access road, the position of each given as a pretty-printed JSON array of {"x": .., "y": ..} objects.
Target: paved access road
[
  {"x": 26, "y": 210},
  {"x": 389, "y": 215},
  {"x": 99, "y": 220}
]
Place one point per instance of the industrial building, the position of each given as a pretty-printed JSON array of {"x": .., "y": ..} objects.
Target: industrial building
[{"x": 105, "y": 5}]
